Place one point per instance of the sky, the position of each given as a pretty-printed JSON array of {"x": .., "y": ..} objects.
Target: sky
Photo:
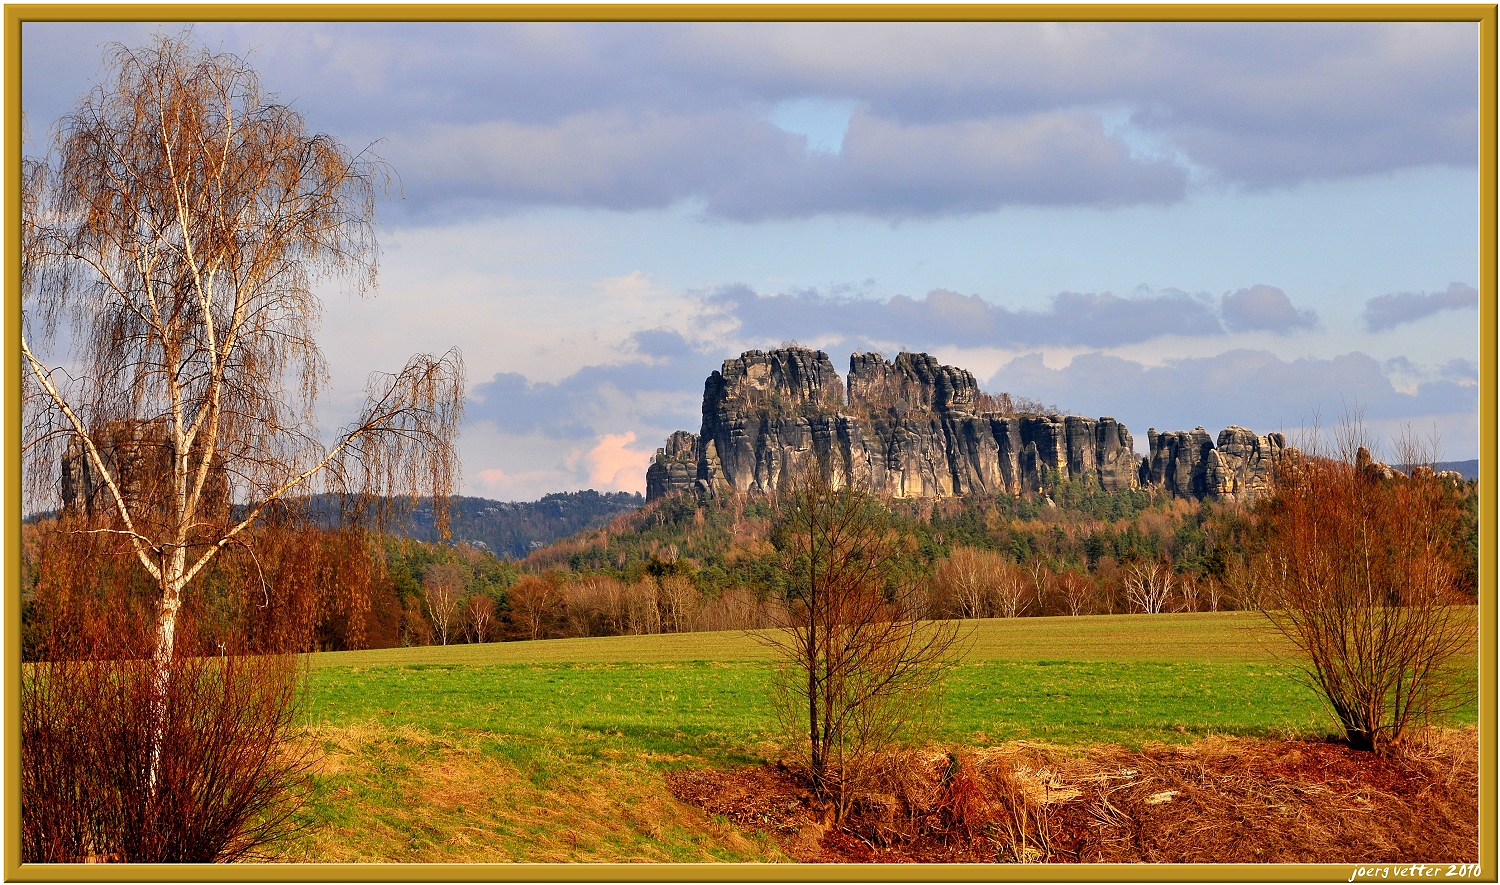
[{"x": 1173, "y": 224}]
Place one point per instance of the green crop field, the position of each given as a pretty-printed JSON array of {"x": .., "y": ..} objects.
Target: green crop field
[{"x": 556, "y": 750}]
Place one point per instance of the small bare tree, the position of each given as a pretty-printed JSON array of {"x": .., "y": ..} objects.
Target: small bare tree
[
  {"x": 677, "y": 595},
  {"x": 965, "y": 579},
  {"x": 443, "y": 585},
  {"x": 1148, "y": 585},
  {"x": 1360, "y": 571},
  {"x": 535, "y": 601},
  {"x": 175, "y": 240},
  {"x": 642, "y": 614},
  {"x": 1014, "y": 588},
  {"x": 1213, "y": 593},
  {"x": 587, "y": 604},
  {"x": 1041, "y": 576},
  {"x": 479, "y": 609},
  {"x": 859, "y": 670},
  {"x": 1188, "y": 593},
  {"x": 1077, "y": 591}
]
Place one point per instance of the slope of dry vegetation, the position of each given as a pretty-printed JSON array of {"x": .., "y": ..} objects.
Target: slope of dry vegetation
[
  {"x": 1220, "y": 800},
  {"x": 587, "y": 749}
]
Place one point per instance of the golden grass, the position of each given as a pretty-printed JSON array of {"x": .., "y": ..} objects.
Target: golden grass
[
  {"x": 446, "y": 799},
  {"x": 1212, "y": 637}
]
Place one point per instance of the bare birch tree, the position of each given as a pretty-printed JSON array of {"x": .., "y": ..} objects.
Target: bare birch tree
[
  {"x": 966, "y": 578},
  {"x": 677, "y": 595},
  {"x": 443, "y": 585},
  {"x": 172, "y": 243},
  {"x": 1012, "y": 591},
  {"x": 479, "y": 611},
  {"x": 1077, "y": 590},
  {"x": 1148, "y": 585}
]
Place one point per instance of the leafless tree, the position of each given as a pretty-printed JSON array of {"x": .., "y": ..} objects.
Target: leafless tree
[
  {"x": 1014, "y": 588},
  {"x": 480, "y": 613},
  {"x": 1148, "y": 585},
  {"x": 535, "y": 601},
  {"x": 1041, "y": 576},
  {"x": 677, "y": 595},
  {"x": 1246, "y": 585},
  {"x": 174, "y": 239},
  {"x": 1360, "y": 571},
  {"x": 858, "y": 669},
  {"x": 965, "y": 580},
  {"x": 588, "y": 604},
  {"x": 1213, "y": 593},
  {"x": 443, "y": 586},
  {"x": 91, "y": 787},
  {"x": 641, "y": 612},
  {"x": 1077, "y": 591},
  {"x": 1188, "y": 593},
  {"x": 737, "y": 608}
]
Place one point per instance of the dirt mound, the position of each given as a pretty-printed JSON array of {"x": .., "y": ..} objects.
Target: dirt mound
[{"x": 1216, "y": 801}]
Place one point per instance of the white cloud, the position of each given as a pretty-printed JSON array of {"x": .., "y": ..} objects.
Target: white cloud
[
  {"x": 1254, "y": 389},
  {"x": 613, "y": 466},
  {"x": 952, "y": 117}
]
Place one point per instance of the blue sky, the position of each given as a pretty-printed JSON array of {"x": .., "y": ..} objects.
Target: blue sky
[{"x": 1173, "y": 224}]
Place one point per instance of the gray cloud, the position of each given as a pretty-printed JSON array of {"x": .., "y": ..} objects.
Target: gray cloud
[
  {"x": 1460, "y": 370},
  {"x": 1390, "y": 311},
  {"x": 662, "y": 344},
  {"x": 954, "y": 117},
  {"x": 1252, "y": 388},
  {"x": 650, "y": 398},
  {"x": 948, "y": 318},
  {"x": 1263, "y": 308},
  {"x": 522, "y": 406},
  {"x": 747, "y": 169}
]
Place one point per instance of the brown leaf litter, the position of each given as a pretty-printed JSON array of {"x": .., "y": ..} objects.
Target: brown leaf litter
[{"x": 1219, "y": 800}]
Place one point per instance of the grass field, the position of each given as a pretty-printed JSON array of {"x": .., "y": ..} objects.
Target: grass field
[{"x": 555, "y": 750}]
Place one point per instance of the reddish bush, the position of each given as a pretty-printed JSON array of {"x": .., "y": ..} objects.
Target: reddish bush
[{"x": 94, "y": 785}]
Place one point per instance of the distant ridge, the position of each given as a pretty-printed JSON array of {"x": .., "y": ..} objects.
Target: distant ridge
[
  {"x": 508, "y": 529},
  {"x": 1469, "y": 468}
]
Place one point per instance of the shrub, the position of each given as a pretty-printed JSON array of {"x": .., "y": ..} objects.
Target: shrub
[
  {"x": 1360, "y": 568},
  {"x": 223, "y": 784},
  {"x": 858, "y": 668}
]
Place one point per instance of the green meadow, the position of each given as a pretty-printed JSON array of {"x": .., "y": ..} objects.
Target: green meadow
[{"x": 557, "y": 750}]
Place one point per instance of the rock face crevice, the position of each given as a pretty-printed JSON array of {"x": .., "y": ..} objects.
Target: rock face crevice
[
  {"x": 139, "y": 456},
  {"x": 912, "y": 428}
]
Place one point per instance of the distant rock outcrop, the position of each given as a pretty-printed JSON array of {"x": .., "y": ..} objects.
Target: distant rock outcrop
[
  {"x": 912, "y": 428},
  {"x": 675, "y": 467},
  {"x": 1187, "y": 464},
  {"x": 139, "y": 456}
]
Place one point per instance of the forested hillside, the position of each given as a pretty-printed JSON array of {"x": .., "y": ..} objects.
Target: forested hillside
[
  {"x": 508, "y": 529},
  {"x": 682, "y": 564}
]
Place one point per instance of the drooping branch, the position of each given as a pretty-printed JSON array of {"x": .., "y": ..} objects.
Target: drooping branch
[
  {"x": 170, "y": 248},
  {"x": 402, "y": 445}
]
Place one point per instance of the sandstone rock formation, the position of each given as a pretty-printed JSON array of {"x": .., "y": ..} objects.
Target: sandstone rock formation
[
  {"x": 1187, "y": 463},
  {"x": 912, "y": 428},
  {"x": 138, "y": 454},
  {"x": 1240, "y": 468},
  {"x": 675, "y": 467},
  {"x": 1365, "y": 463}
]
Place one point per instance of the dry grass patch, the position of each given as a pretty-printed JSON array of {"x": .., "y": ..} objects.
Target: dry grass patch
[{"x": 405, "y": 795}]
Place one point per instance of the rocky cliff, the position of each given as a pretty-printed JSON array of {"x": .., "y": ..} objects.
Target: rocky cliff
[
  {"x": 139, "y": 456},
  {"x": 912, "y": 428}
]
